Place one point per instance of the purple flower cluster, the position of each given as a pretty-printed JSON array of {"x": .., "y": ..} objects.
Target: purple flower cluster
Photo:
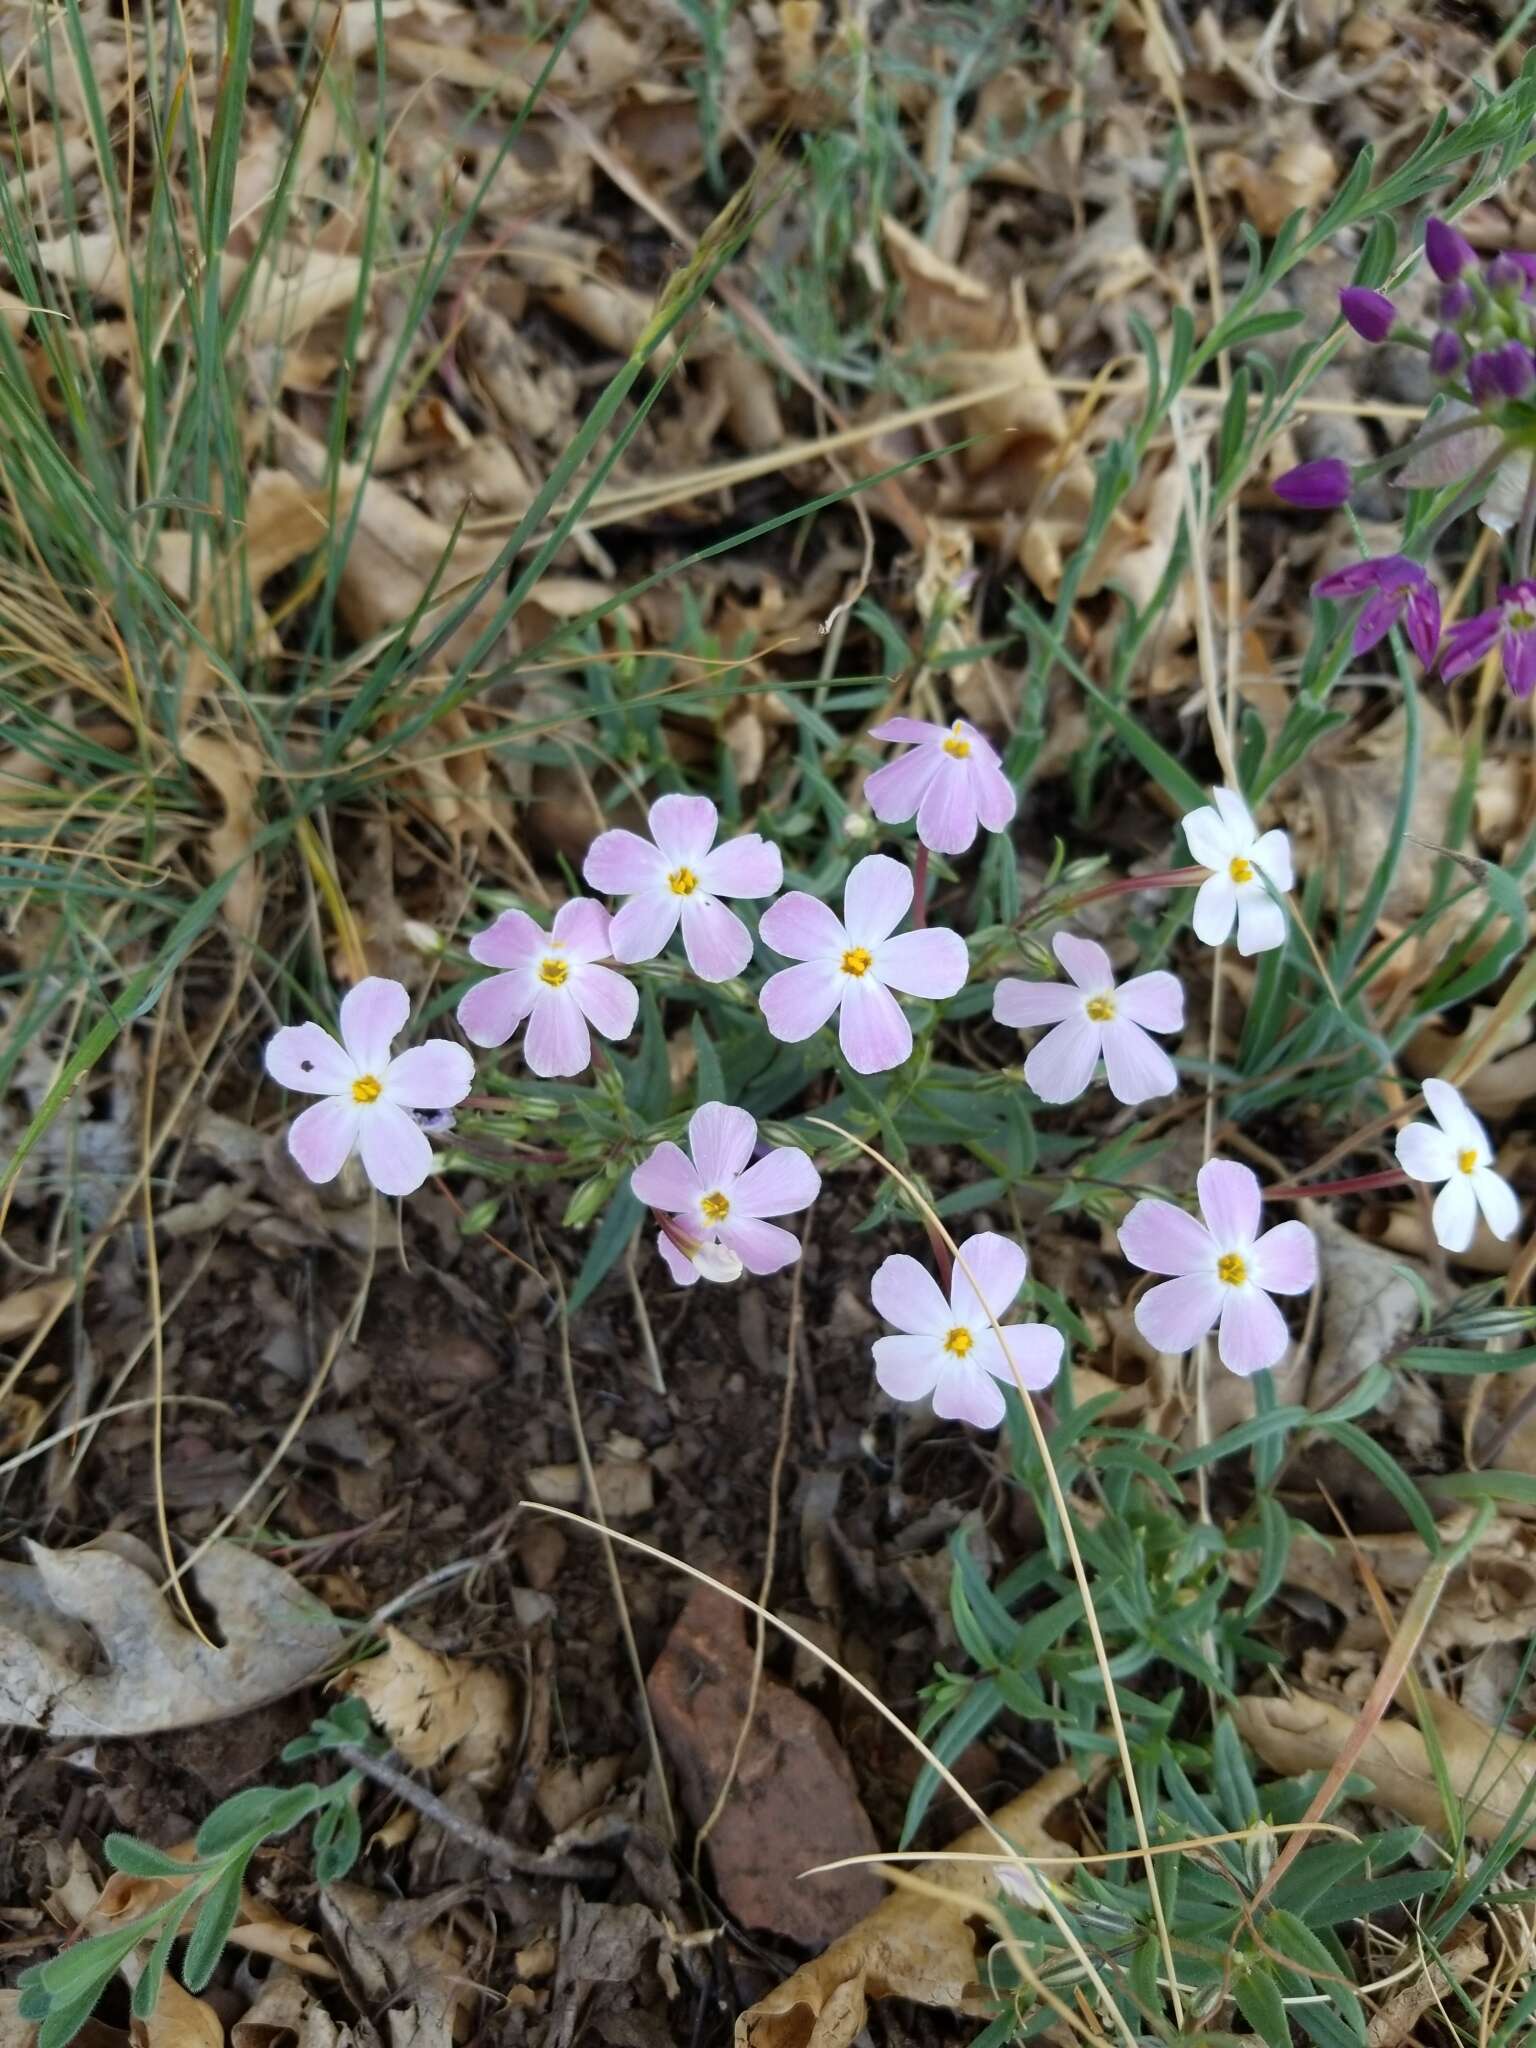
[{"x": 1399, "y": 592}]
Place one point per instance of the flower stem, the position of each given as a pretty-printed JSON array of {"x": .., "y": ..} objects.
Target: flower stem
[
  {"x": 920, "y": 887},
  {"x": 1360, "y": 1184}
]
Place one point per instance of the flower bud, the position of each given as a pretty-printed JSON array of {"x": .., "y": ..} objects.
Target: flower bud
[
  {"x": 1445, "y": 353},
  {"x": 1315, "y": 486},
  {"x": 1371, "y": 314},
  {"x": 1448, "y": 250},
  {"x": 1456, "y": 302},
  {"x": 586, "y": 1201},
  {"x": 1504, "y": 276}
]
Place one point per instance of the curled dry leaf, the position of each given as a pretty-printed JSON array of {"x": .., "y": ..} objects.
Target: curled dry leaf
[
  {"x": 1490, "y": 1773},
  {"x": 234, "y": 769},
  {"x": 287, "y": 2014},
  {"x": 89, "y": 1645},
  {"x": 437, "y": 1709},
  {"x": 910, "y": 1946}
]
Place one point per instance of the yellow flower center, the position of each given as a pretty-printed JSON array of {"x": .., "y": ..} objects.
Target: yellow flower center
[
  {"x": 715, "y": 1208},
  {"x": 1100, "y": 1009},
  {"x": 555, "y": 973},
  {"x": 1229, "y": 1267},
  {"x": 1520, "y": 621},
  {"x": 858, "y": 960},
  {"x": 1467, "y": 1161},
  {"x": 682, "y": 881},
  {"x": 367, "y": 1088},
  {"x": 959, "y": 1341},
  {"x": 957, "y": 746},
  {"x": 1239, "y": 869}
]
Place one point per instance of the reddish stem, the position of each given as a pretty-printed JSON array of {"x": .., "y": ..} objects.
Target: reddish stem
[
  {"x": 1361, "y": 1184},
  {"x": 920, "y": 887},
  {"x": 1127, "y": 885}
]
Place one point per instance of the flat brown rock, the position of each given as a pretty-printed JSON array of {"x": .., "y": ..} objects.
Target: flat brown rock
[{"x": 794, "y": 1802}]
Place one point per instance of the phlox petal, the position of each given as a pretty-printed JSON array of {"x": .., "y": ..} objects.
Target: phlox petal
[
  {"x": 924, "y": 963},
  {"x": 1208, "y": 838},
  {"x": 778, "y": 1185},
  {"x": 677, "y": 1261},
  {"x": 1272, "y": 857},
  {"x": 1036, "y": 1350},
  {"x": 1229, "y": 1201},
  {"x": 1285, "y": 1259},
  {"x": 1086, "y": 963},
  {"x": 491, "y": 1011},
  {"x": 684, "y": 827},
  {"x": 321, "y": 1139},
  {"x": 1497, "y": 1200},
  {"x": 1377, "y": 618},
  {"x": 431, "y": 1076},
  {"x": 989, "y": 1271},
  {"x": 512, "y": 941},
  {"x": 912, "y": 732},
  {"x": 667, "y": 1180},
  {"x": 1466, "y": 644},
  {"x": 877, "y": 897},
  {"x": 373, "y": 1015},
  {"x": 966, "y": 1393},
  {"x": 1135, "y": 1066},
  {"x": 994, "y": 796},
  {"x": 872, "y": 1028},
  {"x": 720, "y": 1137},
  {"x": 558, "y": 1043},
  {"x": 608, "y": 1002},
  {"x": 643, "y": 925},
  {"x": 1024, "y": 1004},
  {"x": 1425, "y": 1153},
  {"x": 946, "y": 817},
  {"x": 1454, "y": 1216},
  {"x": 1162, "y": 1239},
  {"x": 394, "y": 1149},
  {"x": 716, "y": 941},
  {"x": 1260, "y": 921},
  {"x": 621, "y": 863},
  {"x": 748, "y": 866},
  {"x": 907, "y": 1367},
  {"x": 1061, "y": 1066},
  {"x": 803, "y": 928},
  {"x": 797, "y": 1001},
  {"x": 895, "y": 791},
  {"x": 1451, "y": 1113},
  {"x": 1155, "y": 1001},
  {"x": 1520, "y": 661},
  {"x": 1215, "y": 907},
  {"x": 304, "y": 1056},
  {"x": 1176, "y": 1314},
  {"x": 761, "y": 1247},
  {"x": 1253, "y": 1336},
  {"x": 909, "y": 1298},
  {"x": 584, "y": 929},
  {"x": 1235, "y": 816}
]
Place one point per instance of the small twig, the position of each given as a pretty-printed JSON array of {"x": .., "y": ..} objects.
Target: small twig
[{"x": 498, "y": 1852}]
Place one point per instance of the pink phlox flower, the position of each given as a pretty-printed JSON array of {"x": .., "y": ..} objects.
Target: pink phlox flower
[
  {"x": 850, "y": 964},
  {"x": 370, "y": 1100},
  {"x": 555, "y": 982},
  {"x": 1397, "y": 591},
  {"x": 1458, "y": 1152},
  {"x": 1092, "y": 1018},
  {"x": 716, "y": 1203},
  {"x": 951, "y": 780},
  {"x": 680, "y": 874},
  {"x": 1510, "y": 626},
  {"x": 1224, "y": 1271},
  {"x": 948, "y": 1348},
  {"x": 1241, "y": 859}
]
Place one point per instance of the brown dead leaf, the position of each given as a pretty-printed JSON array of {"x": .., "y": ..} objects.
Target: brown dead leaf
[
  {"x": 627, "y": 1487},
  {"x": 909, "y": 1946},
  {"x": 178, "y": 2021},
  {"x": 234, "y": 769},
  {"x": 29, "y": 1306},
  {"x": 437, "y": 1709},
  {"x": 1491, "y": 1773}
]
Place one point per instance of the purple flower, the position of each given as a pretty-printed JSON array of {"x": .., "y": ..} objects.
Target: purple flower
[
  {"x": 1223, "y": 1271},
  {"x": 369, "y": 1098},
  {"x": 1510, "y": 626},
  {"x": 1448, "y": 250},
  {"x": 949, "y": 1349},
  {"x": 554, "y": 981},
  {"x": 1400, "y": 593},
  {"x": 683, "y": 875},
  {"x": 1456, "y": 302},
  {"x": 951, "y": 781},
  {"x": 1445, "y": 352},
  {"x": 851, "y": 963},
  {"x": 1315, "y": 486},
  {"x": 1458, "y": 1152},
  {"x": 1501, "y": 373},
  {"x": 1241, "y": 860},
  {"x": 1371, "y": 314},
  {"x": 717, "y": 1198},
  {"x": 1091, "y": 1017}
]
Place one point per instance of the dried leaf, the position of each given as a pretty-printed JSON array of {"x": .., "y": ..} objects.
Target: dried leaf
[
  {"x": 234, "y": 769},
  {"x": 437, "y": 1709}
]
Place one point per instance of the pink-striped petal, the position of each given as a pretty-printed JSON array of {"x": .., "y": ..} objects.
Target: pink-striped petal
[
  {"x": 677, "y": 1262},
  {"x": 321, "y": 1140},
  {"x": 558, "y": 1043},
  {"x": 609, "y": 1003},
  {"x": 431, "y": 1076},
  {"x": 994, "y": 796},
  {"x": 667, "y": 1180},
  {"x": 720, "y": 1137},
  {"x": 748, "y": 866},
  {"x": 1162, "y": 1239},
  {"x": 1036, "y": 1350},
  {"x": 802, "y": 928},
  {"x": 684, "y": 827},
  {"x": 394, "y": 1149},
  {"x": 1061, "y": 1066},
  {"x": 965, "y": 1393},
  {"x": 1260, "y": 922},
  {"x": 1024, "y": 1004},
  {"x": 1086, "y": 963},
  {"x": 512, "y": 941},
  {"x": 584, "y": 929},
  {"x": 491, "y": 1011},
  {"x": 872, "y": 1029},
  {"x": 989, "y": 1271},
  {"x": 621, "y": 863},
  {"x": 877, "y": 897},
  {"x": 1229, "y": 1201},
  {"x": 909, "y": 1298},
  {"x": 946, "y": 817},
  {"x": 797, "y": 1001},
  {"x": 1253, "y": 1336},
  {"x": 781, "y": 1183},
  {"x": 1177, "y": 1314},
  {"x": 716, "y": 941},
  {"x": 1215, "y": 908},
  {"x": 895, "y": 791},
  {"x": 1284, "y": 1260},
  {"x": 761, "y": 1247},
  {"x": 913, "y": 732},
  {"x": 933, "y": 964},
  {"x": 373, "y": 1015},
  {"x": 1154, "y": 1001},
  {"x": 303, "y": 1056},
  {"x": 1135, "y": 1066},
  {"x": 907, "y": 1368},
  {"x": 643, "y": 925}
]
